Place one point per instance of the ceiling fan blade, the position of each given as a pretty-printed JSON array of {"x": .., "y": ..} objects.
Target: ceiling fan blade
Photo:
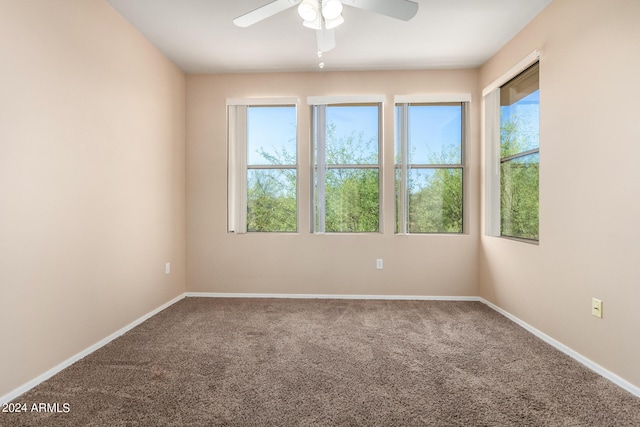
[
  {"x": 264, "y": 12},
  {"x": 399, "y": 9},
  {"x": 326, "y": 39}
]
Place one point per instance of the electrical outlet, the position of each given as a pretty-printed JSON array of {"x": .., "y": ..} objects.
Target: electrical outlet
[
  {"x": 596, "y": 307},
  {"x": 379, "y": 264},
  {"x": 167, "y": 268}
]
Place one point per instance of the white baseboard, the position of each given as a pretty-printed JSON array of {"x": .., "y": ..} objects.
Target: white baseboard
[
  {"x": 554, "y": 343},
  {"x": 73, "y": 359},
  {"x": 330, "y": 296},
  {"x": 620, "y": 382}
]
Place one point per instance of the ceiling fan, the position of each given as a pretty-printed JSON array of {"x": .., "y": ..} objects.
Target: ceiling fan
[{"x": 325, "y": 15}]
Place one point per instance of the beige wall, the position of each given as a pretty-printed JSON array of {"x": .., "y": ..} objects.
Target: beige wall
[
  {"x": 589, "y": 194},
  {"x": 319, "y": 264},
  {"x": 91, "y": 181}
]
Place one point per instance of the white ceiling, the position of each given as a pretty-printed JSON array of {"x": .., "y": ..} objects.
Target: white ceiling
[{"x": 200, "y": 37}]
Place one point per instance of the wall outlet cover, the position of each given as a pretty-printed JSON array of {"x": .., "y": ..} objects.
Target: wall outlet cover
[{"x": 596, "y": 307}]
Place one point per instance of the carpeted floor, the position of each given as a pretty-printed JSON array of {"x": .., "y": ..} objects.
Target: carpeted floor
[{"x": 263, "y": 362}]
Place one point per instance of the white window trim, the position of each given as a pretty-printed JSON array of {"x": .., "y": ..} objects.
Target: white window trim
[
  {"x": 524, "y": 63},
  {"x": 490, "y": 117},
  {"x": 237, "y": 157},
  {"x": 237, "y": 165},
  {"x": 346, "y": 99},
  {"x": 432, "y": 98},
  {"x": 491, "y": 123}
]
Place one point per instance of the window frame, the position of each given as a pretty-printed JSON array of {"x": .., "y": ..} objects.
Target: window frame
[
  {"x": 519, "y": 155},
  {"x": 319, "y": 166},
  {"x": 238, "y": 166},
  {"x": 492, "y": 145},
  {"x": 402, "y": 197}
]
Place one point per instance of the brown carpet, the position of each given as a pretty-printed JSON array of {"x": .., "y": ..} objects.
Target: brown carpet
[{"x": 263, "y": 362}]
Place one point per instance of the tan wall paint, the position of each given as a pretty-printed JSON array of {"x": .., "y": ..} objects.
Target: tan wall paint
[
  {"x": 589, "y": 194},
  {"x": 304, "y": 262},
  {"x": 92, "y": 181}
]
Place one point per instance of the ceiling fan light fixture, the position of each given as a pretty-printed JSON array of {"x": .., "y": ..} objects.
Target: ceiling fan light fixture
[
  {"x": 308, "y": 10},
  {"x": 333, "y": 23},
  {"x": 314, "y": 25},
  {"x": 331, "y": 9}
]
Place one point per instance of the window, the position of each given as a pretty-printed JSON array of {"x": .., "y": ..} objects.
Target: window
[
  {"x": 429, "y": 167},
  {"x": 520, "y": 155},
  {"x": 263, "y": 168},
  {"x": 346, "y": 182},
  {"x": 512, "y": 144}
]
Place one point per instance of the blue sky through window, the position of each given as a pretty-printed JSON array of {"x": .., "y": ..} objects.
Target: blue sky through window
[
  {"x": 271, "y": 129},
  {"x": 434, "y": 133},
  {"x": 433, "y": 130},
  {"x": 526, "y": 113},
  {"x": 357, "y": 124}
]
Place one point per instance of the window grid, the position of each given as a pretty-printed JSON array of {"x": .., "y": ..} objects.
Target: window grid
[
  {"x": 323, "y": 168},
  {"x": 519, "y": 158},
  {"x": 263, "y": 168},
  {"x": 404, "y": 167}
]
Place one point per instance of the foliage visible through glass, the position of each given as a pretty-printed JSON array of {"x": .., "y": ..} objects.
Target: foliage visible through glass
[
  {"x": 519, "y": 153},
  {"x": 351, "y": 201},
  {"x": 435, "y": 200},
  {"x": 352, "y": 186},
  {"x": 271, "y": 169},
  {"x": 429, "y": 198},
  {"x": 519, "y": 196}
]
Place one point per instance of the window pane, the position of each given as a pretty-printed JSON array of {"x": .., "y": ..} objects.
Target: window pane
[
  {"x": 435, "y": 200},
  {"x": 520, "y": 114},
  {"x": 352, "y": 134},
  {"x": 271, "y": 135},
  {"x": 271, "y": 200},
  {"x": 429, "y": 199},
  {"x": 352, "y": 200},
  {"x": 435, "y": 134},
  {"x": 519, "y": 133},
  {"x": 519, "y": 197}
]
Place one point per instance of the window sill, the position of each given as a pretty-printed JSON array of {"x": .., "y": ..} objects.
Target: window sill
[{"x": 518, "y": 239}]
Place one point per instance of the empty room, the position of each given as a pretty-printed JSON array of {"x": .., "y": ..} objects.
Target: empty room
[{"x": 319, "y": 212}]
